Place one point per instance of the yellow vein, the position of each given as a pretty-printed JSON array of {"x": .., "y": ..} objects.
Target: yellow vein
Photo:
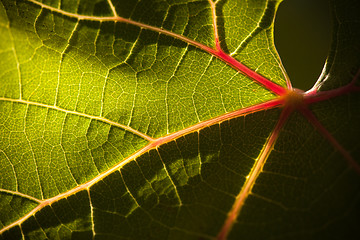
[
  {"x": 279, "y": 90},
  {"x": 251, "y": 34},
  {"x": 63, "y": 150},
  {"x": 17, "y": 62},
  {"x": 32, "y": 153},
  {"x": 157, "y": 142},
  {"x": 112, "y": 8},
  {"x": 281, "y": 66},
  {"x": 61, "y": 61},
  {"x": 169, "y": 176},
  {"x": 13, "y": 169},
  {"x": 103, "y": 93},
  {"x": 22, "y": 233},
  {"x": 91, "y": 214},
  {"x": 196, "y": 86},
  {"x": 251, "y": 178},
  {"x": 179, "y": 62},
  {"x": 16, "y": 193},
  {"x": 214, "y": 18},
  {"x": 80, "y": 114},
  {"x": 277, "y": 56},
  {"x": 124, "y": 20}
]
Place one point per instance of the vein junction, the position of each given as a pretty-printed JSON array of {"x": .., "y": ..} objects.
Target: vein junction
[
  {"x": 291, "y": 102},
  {"x": 152, "y": 145},
  {"x": 289, "y": 99}
]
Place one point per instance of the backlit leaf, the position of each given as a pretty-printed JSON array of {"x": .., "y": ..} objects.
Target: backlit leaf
[{"x": 173, "y": 120}]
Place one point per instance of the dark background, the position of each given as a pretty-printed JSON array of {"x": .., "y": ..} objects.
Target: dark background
[{"x": 303, "y": 37}]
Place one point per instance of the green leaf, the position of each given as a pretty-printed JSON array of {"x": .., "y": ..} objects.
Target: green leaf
[{"x": 173, "y": 120}]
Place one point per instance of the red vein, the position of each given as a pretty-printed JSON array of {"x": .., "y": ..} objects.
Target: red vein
[
  {"x": 155, "y": 143},
  {"x": 310, "y": 97},
  {"x": 314, "y": 97},
  {"x": 241, "y": 112},
  {"x": 277, "y": 89},
  {"x": 315, "y": 122},
  {"x": 251, "y": 178},
  {"x": 124, "y": 20},
  {"x": 271, "y": 86},
  {"x": 323, "y": 78}
]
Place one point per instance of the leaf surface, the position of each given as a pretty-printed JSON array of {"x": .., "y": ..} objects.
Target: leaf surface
[{"x": 172, "y": 120}]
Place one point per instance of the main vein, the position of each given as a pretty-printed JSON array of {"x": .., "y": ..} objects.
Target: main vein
[
  {"x": 251, "y": 178},
  {"x": 218, "y": 52},
  {"x": 153, "y": 144}
]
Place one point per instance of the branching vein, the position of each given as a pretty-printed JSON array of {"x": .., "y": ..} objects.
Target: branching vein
[
  {"x": 271, "y": 86},
  {"x": 153, "y": 144},
  {"x": 16, "y": 193},
  {"x": 102, "y": 119},
  {"x": 251, "y": 178}
]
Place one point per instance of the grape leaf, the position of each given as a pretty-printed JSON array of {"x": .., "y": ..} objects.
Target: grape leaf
[{"x": 173, "y": 120}]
